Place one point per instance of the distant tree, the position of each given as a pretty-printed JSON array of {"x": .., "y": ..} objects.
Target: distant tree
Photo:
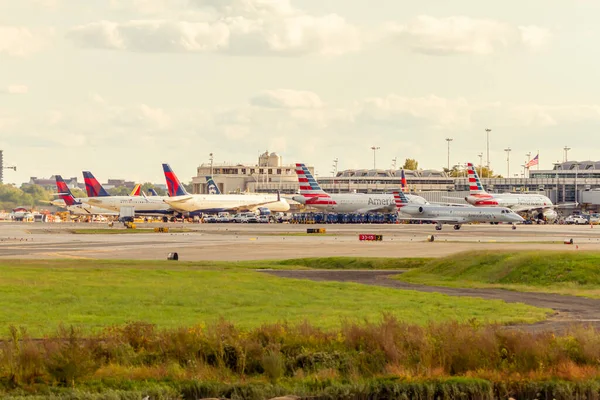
[
  {"x": 119, "y": 191},
  {"x": 411, "y": 164},
  {"x": 188, "y": 186},
  {"x": 147, "y": 186},
  {"x": 78, "y": 193}
]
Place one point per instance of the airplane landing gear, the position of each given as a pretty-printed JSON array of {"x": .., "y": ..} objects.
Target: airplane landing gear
[
  {"x": 514, "y": 227},
  {"x": 456, "y": 227},
  {"x": 438, "y": 227}
]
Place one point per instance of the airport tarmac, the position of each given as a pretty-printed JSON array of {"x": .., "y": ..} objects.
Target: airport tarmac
[{"x": 233, "y": 242}]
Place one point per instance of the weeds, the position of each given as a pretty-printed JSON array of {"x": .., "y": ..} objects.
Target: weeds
[{"x": 306, "y": 358}]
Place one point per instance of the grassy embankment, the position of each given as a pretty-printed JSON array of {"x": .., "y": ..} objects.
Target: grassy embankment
[
  {"x": 383, "y": 360},
  {"x": 572, "y": 273},
  {"x": 94, "y": 294}
]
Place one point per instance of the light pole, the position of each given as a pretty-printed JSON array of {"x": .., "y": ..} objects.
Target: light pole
[
  {"x": 335, "y": 170},
  {"x": 480, "y": 155},
  {"x": 566, "y": 149},
  {"x": 576, "y": 170},
  {"x": 556, "y": 165},
  {"x": 507, "y": 150},
  {"x": 374, "y": 148},
  {"x": 211, "y": 164},
  {"x": 488, "y": 130},
  {"x": 448, "y": 163},
  {"x": 528, "y": 159}
]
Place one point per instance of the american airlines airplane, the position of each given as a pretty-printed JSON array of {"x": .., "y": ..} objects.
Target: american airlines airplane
[
  {"x": 454, "y": 215},
  {"x": 312, "y": 195},
  {"x": 74, "y": 205},
  {"x": 536, "y": 205},
  {"x": 180, "y": 200},
  {"x": 143, "y": 205}
]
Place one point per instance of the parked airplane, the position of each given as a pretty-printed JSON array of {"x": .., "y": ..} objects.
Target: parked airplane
[
  {"x": 312, "y": 195},
  {"x": 75, "y": 205},
  {"x": 454, "y": 215},
  {"x": 143, "y": 205},
  {"x": 533, "y": 204},
  {"x": 182, "y": 201}
]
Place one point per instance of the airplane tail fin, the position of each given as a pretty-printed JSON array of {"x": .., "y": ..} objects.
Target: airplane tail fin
[
  {"x": 137, "y": 190},
  {"x": 174, "y": 186},
  {"x": 212, "y": 186},
  {"x": 403, "y": 181},
  {"x": 475, "y": 186},
  {"x": 64, "y": 192},
  {"x": 308, "y": 185},
  {"x": 152, "y": 192},
  {"x": 400, "y": 199},
  {"x": 92, "y": 186}
]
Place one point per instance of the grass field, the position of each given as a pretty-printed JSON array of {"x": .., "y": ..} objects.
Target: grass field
[
  {"x": 92, "y": 294},
  {"x": 551, "y": 272}
]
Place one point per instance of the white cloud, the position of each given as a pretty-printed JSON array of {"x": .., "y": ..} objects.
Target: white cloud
[
  {"x": 284, "y": 98},
  {"x": 535, "y": 36},
  {"x": 431, "y": 110},
  {"x": 18, "y": 41},
  {"x": 239, "y": 27},
  {"x": 14, "y": 89},
  {"x": 464, "y": 35}
]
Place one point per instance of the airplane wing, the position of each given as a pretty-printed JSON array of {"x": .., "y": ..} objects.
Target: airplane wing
[
  {"x": 178, "y": 200},
  {"x": 254, "y": 206}
]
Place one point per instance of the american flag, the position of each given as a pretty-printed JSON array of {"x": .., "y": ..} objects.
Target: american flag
[{"x": 533, "y": 162}]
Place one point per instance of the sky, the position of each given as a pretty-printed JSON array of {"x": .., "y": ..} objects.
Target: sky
[{"x": 119, "y": 87}]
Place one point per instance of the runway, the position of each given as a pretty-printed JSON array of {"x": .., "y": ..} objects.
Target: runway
[{"x": 234, "y": 242}]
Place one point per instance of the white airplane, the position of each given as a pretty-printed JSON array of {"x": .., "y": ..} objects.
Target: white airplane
[
  {"x": 312, "y": 195},
  {"x": 454, "y": 215},
  {"x": 180, "y": 200},
  {"x": 142, "y": 205},
  {"x": 76, "y": 205},
  {"x": 533, "y": 204}
]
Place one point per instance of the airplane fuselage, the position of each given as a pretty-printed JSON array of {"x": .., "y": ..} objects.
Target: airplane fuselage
[
  {"x": 532, "y": 204},
  {"x": 153, "y": 205},
  {"x": 226, "y": 202},
  {"x": 356, "y": 202},
  {"x": 461, "y": 215}
]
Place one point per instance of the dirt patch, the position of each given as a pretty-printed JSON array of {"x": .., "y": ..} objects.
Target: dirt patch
[{"x": 570, "y": 310}]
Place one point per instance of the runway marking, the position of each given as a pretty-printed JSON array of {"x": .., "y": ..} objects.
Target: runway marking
[{"x": 62, "y": 255}]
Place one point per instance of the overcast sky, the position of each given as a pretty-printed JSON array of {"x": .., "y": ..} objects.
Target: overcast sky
[{"x": 120, "y": 86}]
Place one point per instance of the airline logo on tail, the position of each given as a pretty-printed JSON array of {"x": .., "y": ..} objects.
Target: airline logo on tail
[
  {"x": 64, "y": 192},
  {"x": 152, "y": 192},
  {"x": 475, "y": 186},
  {"x": 309, "y": 187},
  {"x": 137, "y": 190},
  {"x": 400, "y": 199},
  {"x": 212, "y": 186},
  {"x": 403, "y": 181},
  {"x": 92, "y": 186},
  {"x": 174, "y": 187}
]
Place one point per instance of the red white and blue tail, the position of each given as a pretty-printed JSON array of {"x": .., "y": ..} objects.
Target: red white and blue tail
[
  {"x": 64, "y": 192},
  {"x": 403, "y": 181},
  {"x": 400, "y": 199},
  {"x": 475, "y": 186},
  {"x": 309, "y": 188}
]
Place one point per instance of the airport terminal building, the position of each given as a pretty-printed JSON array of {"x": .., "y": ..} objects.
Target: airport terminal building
[{"x": 568, "y": 182}]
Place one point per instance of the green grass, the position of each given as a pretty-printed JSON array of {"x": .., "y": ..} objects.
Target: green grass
[
  {"x": 573, "y": 273},
  {"x": 93, "y": 294}
]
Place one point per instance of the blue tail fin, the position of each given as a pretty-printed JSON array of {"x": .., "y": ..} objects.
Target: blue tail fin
[
  {"x": 212, "y": 186},
  {"x": 152, "y": 192}
]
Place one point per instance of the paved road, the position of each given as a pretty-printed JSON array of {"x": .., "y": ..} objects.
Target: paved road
[
  {"x": 570, "y": 309},
  {"x": 234, "y": 242}
]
